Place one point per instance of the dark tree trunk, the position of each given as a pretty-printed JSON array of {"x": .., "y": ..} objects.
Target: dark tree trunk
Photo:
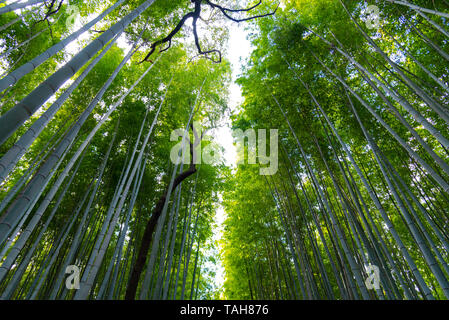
[{"x": 148, "y": 234}]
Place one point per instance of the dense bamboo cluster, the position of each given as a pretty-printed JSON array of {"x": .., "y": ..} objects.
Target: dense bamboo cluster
[
  {"x": 82, "y": 172},
  {"x": 363, "y": 175}
]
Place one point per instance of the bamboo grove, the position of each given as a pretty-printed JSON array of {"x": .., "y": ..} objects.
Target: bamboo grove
[
  {"x": 363, "y": 158},
  {"x": 87, "y": 181},
  {"x": 83, "y": 171}
]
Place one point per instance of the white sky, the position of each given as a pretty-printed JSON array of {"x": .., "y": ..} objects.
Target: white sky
[{"x": 239, "y": 49}]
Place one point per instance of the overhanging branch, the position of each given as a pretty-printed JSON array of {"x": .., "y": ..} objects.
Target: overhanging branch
[{"x": 195, "y": 15}]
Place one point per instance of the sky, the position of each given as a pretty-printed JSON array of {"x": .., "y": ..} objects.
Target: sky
[{"x": 239, "y": 48}]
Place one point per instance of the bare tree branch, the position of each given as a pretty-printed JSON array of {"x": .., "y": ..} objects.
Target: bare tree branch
[
  {"x": 171, "y": 35},
  {"x": 226, "y": 10},
  {"x": 233, "y": 10},
  {"x": 50, "y": 10},
  {"x": 195, "y": 15},
  {"x": 198, "y": 46}
]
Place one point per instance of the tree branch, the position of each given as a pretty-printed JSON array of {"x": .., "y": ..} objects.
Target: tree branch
[
  {"x": 196, "y": 14},
  {"x": 170, "y": 36},
  {"x": 198, "y": 46},
  {"x": 50, "y": 10},
  {"x": 226, "y": 10},
  {"x": 233, "y": 10}
]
